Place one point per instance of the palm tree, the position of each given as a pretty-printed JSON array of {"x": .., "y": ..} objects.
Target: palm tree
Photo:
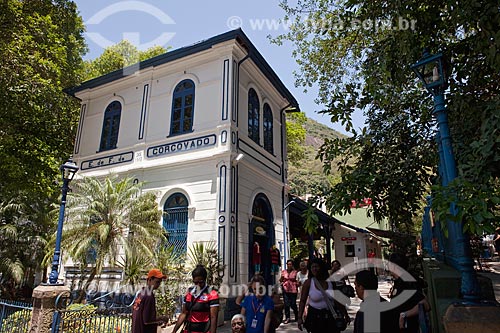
[
  {"x": 206, "y": 254},
  {"x": 108, "y": 218},
  {"x": 22, "y": 235}
]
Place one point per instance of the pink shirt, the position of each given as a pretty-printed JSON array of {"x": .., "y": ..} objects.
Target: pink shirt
[{"x": 289, "y": 281}]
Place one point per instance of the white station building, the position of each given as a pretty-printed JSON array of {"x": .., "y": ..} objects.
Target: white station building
[{"x": 204, "y": 127}]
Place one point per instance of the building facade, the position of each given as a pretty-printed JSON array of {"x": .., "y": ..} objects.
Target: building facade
[{"x": 204, "y": 127}]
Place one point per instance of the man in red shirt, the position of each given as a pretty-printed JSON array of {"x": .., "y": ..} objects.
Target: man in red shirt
[
  {"x": 144, "y": 319},
  {"x": 290, "y": 283}
]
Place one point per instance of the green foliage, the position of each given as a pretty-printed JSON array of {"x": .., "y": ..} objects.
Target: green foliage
[
  {"x": 84, "y": 318},
  {"x": 298, "y": 249},
  {"x": 358, "y": 53},
  {"x": 104, "y": 216},
  {"x": 41, "y": 45},
  {"x": 18, "y": 321},
  {"x": 167, "y": 298},
  {"x": 133, "y": 265},
  {"x": 311, "y": 220},
  {"x": 172, "y": 264},
  {"x": 118, "y": 56},
  {"x": 22, "y": 232},
  {"x": 305, "y": 171},
  {"x": 295, "y": 136},
  {"x": 206, "y": 254}
]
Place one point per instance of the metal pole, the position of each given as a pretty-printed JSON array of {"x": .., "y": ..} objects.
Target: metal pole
[
  {"x": 286, "y": 248},
  {"x": 54, "y": 274},
  {"x": 461, "y": 254}
]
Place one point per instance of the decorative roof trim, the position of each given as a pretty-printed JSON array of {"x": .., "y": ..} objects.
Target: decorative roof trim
[{"x": 170, "y": 56}]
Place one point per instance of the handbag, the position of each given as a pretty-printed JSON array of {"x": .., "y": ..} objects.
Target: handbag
[
  {"x": 340, "y": 321},
  {"x": 347, "y": 290}
]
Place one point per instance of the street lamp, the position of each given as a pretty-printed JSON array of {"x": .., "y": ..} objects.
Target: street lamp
[
  {"x": 431, "y": 72},
  {"x": 68, "y": 171}
]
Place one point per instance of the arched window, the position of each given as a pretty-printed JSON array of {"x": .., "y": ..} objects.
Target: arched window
[
  {"x": 253, "y": 116},
  {"x": 262, "y": 234},
  {"x": 268, "y": 129},
  {"x": 110, "y": 126},
  {"x": 175, "y": 222},
  {"x": 182, "y": 108}
]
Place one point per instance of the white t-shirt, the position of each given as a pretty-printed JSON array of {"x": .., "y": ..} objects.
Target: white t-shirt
[
  {"x": 338, "y": 275},
  {"x": 302, "y": 277}
]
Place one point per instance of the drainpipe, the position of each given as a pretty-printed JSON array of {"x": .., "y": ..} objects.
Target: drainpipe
[{"x": 286, "y": 248}]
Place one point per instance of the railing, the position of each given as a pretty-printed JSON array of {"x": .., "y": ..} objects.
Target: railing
[
  {"x": 105, "y": 313},
  {"x": 15, "y": 316},
  {"x": 90, "y": 320}
]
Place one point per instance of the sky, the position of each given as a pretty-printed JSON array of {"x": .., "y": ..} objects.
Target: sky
[{"x": 146, "y": 23}]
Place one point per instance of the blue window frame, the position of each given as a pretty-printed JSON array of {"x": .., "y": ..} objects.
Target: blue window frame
[
  {"x": 110, "y": 126},
  {"x": 182, "y": 108},
  {"x": 253, "y": 116},
  {"x": 175, "y": 222},
  {"x": 268, "y": 128}
]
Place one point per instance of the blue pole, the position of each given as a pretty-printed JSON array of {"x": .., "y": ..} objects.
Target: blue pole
[
  {"x": 54, "y": 274},
  {"x": 443, "y": 246},
  {"x": 459, "y": 244}
]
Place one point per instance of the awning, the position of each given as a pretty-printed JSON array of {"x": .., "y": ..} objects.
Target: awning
[{"x": 386, "y": 233}]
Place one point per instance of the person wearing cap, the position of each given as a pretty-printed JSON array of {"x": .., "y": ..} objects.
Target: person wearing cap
[{"x": 144, "y": 318}]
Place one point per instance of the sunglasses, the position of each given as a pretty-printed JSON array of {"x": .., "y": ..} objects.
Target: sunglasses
[{"x": 199, "y": 282}]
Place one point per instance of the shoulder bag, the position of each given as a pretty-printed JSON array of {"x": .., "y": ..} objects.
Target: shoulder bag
[{"x": 340, "y": 321}]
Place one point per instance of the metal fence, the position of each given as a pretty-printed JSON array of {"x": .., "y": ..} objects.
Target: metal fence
[
  {"x": 89, "y": 320},
  {"x": 103, "y": 313},
  {"x": 108, "y": 313},
  {"x": 15, "y": 316}
]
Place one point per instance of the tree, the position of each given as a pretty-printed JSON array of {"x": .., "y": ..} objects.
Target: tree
[
  {"x": 41, "y": 45},
  {"x": 295, "y": 136},
  {"x": 206, "y": 254},
  {"x": 358, "y": 53},
  {"x": 118, "y": 56},
  {"x": 107, "y": 218},
  {"x": 305, "y": 171}
]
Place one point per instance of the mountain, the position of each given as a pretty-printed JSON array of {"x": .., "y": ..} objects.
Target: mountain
[{"x": 306, "y": 174}]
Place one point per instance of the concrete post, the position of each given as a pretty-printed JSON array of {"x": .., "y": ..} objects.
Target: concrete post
[{"x": 44, "y": 298}]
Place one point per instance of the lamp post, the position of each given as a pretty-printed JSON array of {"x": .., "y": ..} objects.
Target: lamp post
[
  {"x": 431, "y": 72},
  {"x": 68, "y": 171}
]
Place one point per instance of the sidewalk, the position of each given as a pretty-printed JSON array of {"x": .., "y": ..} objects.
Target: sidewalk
[
  {"x": 491, "y": 270},
  {"x": 384, "y": 287}
]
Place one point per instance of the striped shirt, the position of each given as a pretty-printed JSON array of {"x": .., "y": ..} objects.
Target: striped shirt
[{"x": 199, "y": 307}]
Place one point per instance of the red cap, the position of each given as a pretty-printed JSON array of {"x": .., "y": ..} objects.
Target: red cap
[{"x": 155, "y": 272}]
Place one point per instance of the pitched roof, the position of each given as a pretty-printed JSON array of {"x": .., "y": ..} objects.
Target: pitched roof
[{"x": 206, "y": 44}]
